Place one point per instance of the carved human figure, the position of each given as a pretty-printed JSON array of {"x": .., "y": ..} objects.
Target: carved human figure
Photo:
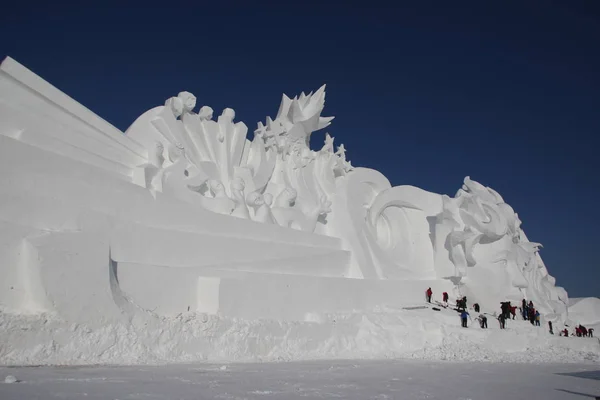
[
  {"x": 175, "y": 104},
  {"x": 237, "y": 195},
  {"x": 206, "y": 113},
  {"x": 217, "y": 190},
  {"x": 261, "y": 206},
  {"x": 188, "y": 101},
  {"x": 287, "y": 198}
]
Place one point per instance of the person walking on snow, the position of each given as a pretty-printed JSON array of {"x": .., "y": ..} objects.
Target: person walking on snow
[
  {"x": 445, "y": 297},
  {"x": 463, "y": 317},
  {"x": 537, "y": 318},
  {"x": 482, "y": 321},
  {"x": 502, "y": 320},
  {"x": 476, "y": 307},
  {"x": 429, "y": 293}
]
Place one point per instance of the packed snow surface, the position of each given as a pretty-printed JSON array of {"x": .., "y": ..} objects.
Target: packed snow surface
[
  {"x": 343, "y": 379},
  {"x": 417, "y": 332}
]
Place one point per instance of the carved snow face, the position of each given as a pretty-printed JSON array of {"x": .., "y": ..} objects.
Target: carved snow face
[
  {"x": 229, "y": 113},
  {"x": 175, "y": 104},
  {"x": 255, "y": 200},
  {"x": 291, "y": 194},
  {"x": 188, "y": 100},
  {"x": 216, "y": 186},
  {"x": 268, "y": 199},
  {"x": 238, "y": 184},
  {"x": 175, "y": 152},
  {"x": 206, "y": 113}
]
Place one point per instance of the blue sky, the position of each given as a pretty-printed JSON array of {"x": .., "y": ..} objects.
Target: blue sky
[{"x": 427, "y": 92}]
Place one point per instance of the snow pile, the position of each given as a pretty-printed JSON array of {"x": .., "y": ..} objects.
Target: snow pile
[
  {"x": 382, "y": 333},
  {"x": 585, "y": 310}
]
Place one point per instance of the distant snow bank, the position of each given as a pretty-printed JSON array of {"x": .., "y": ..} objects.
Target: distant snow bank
[
  {"x": 379, "y": 334},
  {"x": 585, "y": 310}
]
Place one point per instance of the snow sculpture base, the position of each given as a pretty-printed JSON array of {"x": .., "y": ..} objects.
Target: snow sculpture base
[{"x": 185, "y": 214}]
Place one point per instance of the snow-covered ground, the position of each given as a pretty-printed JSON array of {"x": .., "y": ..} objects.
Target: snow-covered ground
[
  {"x": 405, "y": 379},
  {"x": 410, "y": 333}
]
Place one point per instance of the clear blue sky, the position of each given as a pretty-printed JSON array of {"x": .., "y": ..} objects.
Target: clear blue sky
[{"x": 427, "y": 92}]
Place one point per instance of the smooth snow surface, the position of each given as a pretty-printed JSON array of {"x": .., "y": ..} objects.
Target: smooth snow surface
[
  {"x": 310, "y": 380},
  {"x": 418, "y": 332}
]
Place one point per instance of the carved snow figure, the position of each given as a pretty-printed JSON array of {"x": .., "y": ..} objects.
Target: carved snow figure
[
  {"x": 261, "y": 207},
  {"x": 237, "y": 195},
  {"x": 473, "y": 239}
]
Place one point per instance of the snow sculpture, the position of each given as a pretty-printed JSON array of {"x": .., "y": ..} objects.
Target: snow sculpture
[
  {"x": 184, "y": 212},
  {"x": 212, "y": 156},
  {"x": 481, "y": 240}
]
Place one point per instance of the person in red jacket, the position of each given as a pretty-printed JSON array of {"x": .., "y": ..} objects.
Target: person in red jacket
[
  {"x": 429, "y": 293},
  {"x": 445, "y": 297}
]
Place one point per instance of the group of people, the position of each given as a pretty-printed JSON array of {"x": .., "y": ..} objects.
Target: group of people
[
  {"x": 527, "y": 310},
  {"x": 580, "y": 331},
  {"x": 530, "y": 313}
]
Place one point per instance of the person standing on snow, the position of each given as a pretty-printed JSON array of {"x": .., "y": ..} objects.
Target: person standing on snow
[
  {"x": 482, "y": 321},
  {"x": 429, "y": 293},
  {"x": 537, "y": 318},
  {"x": 550, "y": 326},
  {"x": 502, "y": 320},
  {"x": 445, "y": 297},
  {"x": 463, "y": 317}
]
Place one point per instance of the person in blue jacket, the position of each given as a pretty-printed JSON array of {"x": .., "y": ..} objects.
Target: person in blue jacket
[{"x": 463, "y": 317}]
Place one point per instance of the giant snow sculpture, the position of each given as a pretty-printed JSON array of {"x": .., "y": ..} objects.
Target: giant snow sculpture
[{"x": 185, "y": 211}]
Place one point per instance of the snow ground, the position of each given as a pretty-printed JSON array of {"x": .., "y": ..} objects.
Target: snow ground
[
  {"x": 411, "y": 333},
  {"x": 401, "y": 379}
]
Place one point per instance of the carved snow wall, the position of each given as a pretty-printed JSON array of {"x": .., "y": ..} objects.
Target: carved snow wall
[{"x": 184, "y": 211}]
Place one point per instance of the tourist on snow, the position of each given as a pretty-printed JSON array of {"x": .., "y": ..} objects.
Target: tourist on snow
[
  {"x": 584, "y": 331},
  {"x": 502, "y": 321},
  {"x": 537, "y": 318},
  {"x": 513, "y": 311},
  {"x": 505, "y": 308},
  {"x": 476, "y": 307},
  {"x": 550, "y": 326},
  {"x": 591, "y": 332},
  {"x": 445, "y": 297},
  {"x": 429, "y": 293},
  {"x": 577, "y": 331},
  {"x": 463, "y": 317},
  {"x": 482, "y": 321},
  {"x": 564, "y": 332},
  {"x": 532, "y": 315},
  {"x": 524, "y": 309}
]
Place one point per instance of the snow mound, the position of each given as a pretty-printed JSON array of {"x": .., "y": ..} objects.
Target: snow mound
[
  {"x": 585, "y": 311},
  {"x": 378, "y": 334}
]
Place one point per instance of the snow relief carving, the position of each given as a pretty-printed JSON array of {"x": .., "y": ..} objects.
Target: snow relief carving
[
  {"x": 473, "y": 239},
  {"x": 212, "y": 163}
]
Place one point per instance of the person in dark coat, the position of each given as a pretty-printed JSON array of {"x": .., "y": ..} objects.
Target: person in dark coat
[
  {"x": 502, "y": 321},
  {"x": 550, "y": 327}
]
